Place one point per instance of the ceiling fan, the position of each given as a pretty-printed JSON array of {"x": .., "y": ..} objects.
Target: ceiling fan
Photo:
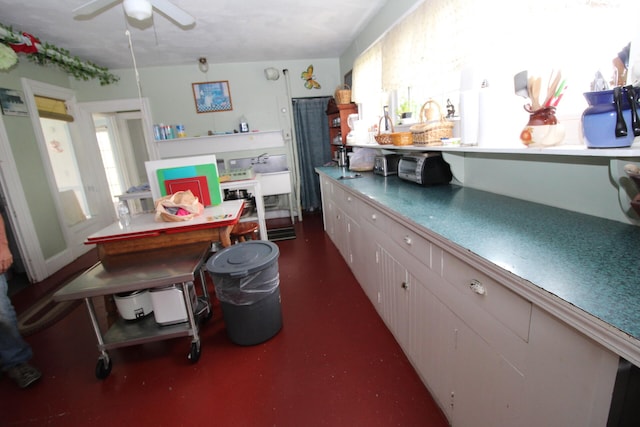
[{"x": 139, "y": 9}]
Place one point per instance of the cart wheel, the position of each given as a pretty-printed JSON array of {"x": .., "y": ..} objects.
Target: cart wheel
[
  {"x": 194, "y": 354},
  {"x": 103, "y": 368},
  {"x": 207, "y": 316}
]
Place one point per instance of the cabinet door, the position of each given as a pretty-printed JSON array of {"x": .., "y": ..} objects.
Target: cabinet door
[
  {"x": 487, "y": 389},
  {"x": 394, "y": 290},
  {"x": 368, "y": 262},
  {"x": 433, "y": 341}
]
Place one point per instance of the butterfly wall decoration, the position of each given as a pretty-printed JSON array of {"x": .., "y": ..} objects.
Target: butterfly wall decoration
[{"x": 309, "y": 78}]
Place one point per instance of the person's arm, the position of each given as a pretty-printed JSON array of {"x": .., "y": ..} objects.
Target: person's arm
[{"x": 6, "y": 258}]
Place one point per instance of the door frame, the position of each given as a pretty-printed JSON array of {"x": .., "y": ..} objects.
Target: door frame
[{"x": 37, "y": 267}]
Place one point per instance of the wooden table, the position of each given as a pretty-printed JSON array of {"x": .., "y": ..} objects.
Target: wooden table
[{"x": 145, "y": 233}]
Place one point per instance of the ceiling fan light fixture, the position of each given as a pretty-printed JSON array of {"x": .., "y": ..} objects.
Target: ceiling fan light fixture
[{"x": 138, "y": 9}]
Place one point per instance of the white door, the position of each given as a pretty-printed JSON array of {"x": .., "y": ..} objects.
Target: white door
[{"x": 71, "y": 158}]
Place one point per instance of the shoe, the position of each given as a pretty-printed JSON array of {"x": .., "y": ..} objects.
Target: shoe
[{"x": 24, "y": 374}]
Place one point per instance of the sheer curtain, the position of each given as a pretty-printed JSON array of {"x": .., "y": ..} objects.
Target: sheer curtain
[
  {"x": 312, "y": 134},
  {"x": 429, "y": 48}
]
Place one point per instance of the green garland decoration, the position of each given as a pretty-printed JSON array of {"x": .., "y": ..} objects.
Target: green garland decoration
[{"x": 50, "y": 54}]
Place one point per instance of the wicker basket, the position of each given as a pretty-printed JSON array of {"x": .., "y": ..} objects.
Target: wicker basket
[
  {"x": 384, "y": 138},
  {"x": 343, "y": 95},
  {"x": 433, "y": 125},
  {"x": 402, "y": 138}
]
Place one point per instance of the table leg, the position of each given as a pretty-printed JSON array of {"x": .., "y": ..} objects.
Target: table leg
[
  {"x": 111, "y": 309},
  {"x": 225, "y": 236}
]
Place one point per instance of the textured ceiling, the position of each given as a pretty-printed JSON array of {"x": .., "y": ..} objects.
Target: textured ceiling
[{"x": 225, "y": 30}]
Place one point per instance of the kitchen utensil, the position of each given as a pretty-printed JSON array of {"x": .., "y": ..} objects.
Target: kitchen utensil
[
  {"x": 635, "y": 122},
  {"x": 553, "y": 89},
  {"x": 521, "y": 84},
  {"x": 534, "y": 94},
  {"x": 621, "y": 126}
]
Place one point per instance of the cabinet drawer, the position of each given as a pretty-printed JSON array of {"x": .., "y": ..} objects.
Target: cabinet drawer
[
  {"x": 374, "y": 217},
  {"x": 412, "y": 242},
  {"x": 345, "y": 201},
  {"x": 508, "y": 308}
]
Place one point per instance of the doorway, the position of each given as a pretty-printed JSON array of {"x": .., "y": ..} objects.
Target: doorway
[
  {"x": 69, "y": 158},
  {"x": 123, "y": 150},
  {"x": 96, "y": 204},
  {"x": 312, "y": 138}
]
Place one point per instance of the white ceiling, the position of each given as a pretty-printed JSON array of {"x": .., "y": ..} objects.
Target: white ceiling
[{"x": 225, "y": 30}]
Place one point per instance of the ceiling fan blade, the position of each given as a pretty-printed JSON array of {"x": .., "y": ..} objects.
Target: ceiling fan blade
[
  {"x": 173, "y": 12},
  {"x": 93, "y": 6}
]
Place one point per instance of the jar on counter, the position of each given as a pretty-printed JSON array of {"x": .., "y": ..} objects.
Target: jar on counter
[
  {"x": 599, "y": 120},
  {"x": 543, "y": 129}
]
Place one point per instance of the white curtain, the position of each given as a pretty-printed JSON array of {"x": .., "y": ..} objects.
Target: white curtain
[
  {"x": 428, "y": 49},
  {"x": 367, "y": 83}
]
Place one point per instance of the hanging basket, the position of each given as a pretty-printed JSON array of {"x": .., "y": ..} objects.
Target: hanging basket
[
  {"x": 433, "y": 125},
  {"x": 343, "y": 95}
]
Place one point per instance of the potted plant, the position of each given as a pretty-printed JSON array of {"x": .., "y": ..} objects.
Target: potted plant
[{"x": 405, "y": 112}]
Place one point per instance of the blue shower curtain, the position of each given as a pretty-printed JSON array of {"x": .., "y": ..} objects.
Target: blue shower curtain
[{"x": 312, "y": 139}]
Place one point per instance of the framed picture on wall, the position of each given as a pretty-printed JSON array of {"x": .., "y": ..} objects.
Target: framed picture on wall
[
  {"x": 348, "y": 78},
  {"x": 211, "y": 97},
  {"x": 12, "y": 102}
]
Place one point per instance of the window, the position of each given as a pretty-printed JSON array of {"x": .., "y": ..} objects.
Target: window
[{"x": 444, "y": 44}]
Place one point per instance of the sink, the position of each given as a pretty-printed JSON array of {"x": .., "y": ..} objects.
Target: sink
[{"x": 264, "y": 163}]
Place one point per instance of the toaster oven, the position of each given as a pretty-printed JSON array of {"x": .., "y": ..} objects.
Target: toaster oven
[{"x": 424, "y": 169}]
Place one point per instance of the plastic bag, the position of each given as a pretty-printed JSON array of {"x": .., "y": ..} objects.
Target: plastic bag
[
  {"x": 180, "y": 206},
  {"x": 362, "y": 159}
]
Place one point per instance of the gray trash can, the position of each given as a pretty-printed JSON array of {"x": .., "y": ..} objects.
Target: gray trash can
[{"x": 247, "y": 284}]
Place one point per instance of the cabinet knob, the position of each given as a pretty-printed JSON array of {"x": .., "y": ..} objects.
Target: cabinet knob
[
  {"x": 408, "y": 240},
  {"x": 374, "y": 217},
  {"x": 478, "y": 287},
  {"x": 404, "y": 285}
]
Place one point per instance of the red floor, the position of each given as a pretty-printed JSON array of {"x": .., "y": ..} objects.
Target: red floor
[{"x": 334, "y": 363}]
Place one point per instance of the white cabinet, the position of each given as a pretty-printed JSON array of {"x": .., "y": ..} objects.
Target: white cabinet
[
  {"x": 395, "y": 297},
  {"x": 487, "y": 355}
]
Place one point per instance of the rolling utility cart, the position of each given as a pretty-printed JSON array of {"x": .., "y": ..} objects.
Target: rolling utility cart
[{"x": 180, "y": 266}]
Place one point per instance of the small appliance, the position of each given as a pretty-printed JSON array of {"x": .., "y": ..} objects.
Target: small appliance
[
  {"x": 424, "y": 169},
  {"x": 133, "y": 305},
  {"x": 168, "y": 304},
  {"x": 386, "y": 164}
]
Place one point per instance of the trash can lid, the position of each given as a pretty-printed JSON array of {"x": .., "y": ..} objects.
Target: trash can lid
[{"x": 243, "y": 258}]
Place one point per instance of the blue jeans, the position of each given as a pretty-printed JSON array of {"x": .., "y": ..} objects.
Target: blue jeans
[{"x": 13, "y": 349}]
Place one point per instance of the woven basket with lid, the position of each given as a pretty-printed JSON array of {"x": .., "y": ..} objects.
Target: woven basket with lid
[
  {"x": 433, "y": 125},
  {"x": 343, "y": 94}
]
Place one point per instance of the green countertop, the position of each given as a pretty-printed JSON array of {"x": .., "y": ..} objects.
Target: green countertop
[{"x": 586, "y": 261}]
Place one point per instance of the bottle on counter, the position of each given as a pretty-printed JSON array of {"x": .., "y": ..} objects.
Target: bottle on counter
[
  {"x": 124, "y": 216},
  {"x": 244, "y": 125},
  {"x": 181, "y": 133}
]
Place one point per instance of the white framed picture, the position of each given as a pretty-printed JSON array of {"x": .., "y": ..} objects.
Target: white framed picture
[{"x": 12, "y": 102}]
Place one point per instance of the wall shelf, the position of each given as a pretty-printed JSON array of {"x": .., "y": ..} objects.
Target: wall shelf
[
  {"x": 215, "y": 144},
  {"x": 560, "y": 150}
]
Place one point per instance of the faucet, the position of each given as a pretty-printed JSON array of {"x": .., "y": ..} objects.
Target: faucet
[{"x": 261, "y": 159}]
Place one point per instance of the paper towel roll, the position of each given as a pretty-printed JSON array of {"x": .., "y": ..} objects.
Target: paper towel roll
[
  {"x": 469, "y": 116},
  {"x": 488, "y": 115}
]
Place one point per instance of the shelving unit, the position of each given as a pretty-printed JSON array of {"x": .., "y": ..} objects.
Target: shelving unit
[
  {"x": 335, "y": 113},
  {"x": 560, "y": 150},
  {"x": 616, "y": 157}
]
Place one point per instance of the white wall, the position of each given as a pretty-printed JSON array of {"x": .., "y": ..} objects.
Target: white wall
[{"x": 169, "y": 90}]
